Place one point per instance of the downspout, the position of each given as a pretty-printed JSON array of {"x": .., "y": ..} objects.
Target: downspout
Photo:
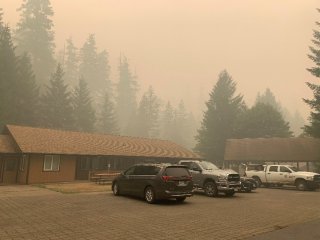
[
  {"x": 27, "y": 176},
  {"x": 18, "y": 168}
]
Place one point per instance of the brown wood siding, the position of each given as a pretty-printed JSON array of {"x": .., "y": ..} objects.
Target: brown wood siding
[
  {"x": 9, "y": 177},
  {"x": 65, "y": 174}
]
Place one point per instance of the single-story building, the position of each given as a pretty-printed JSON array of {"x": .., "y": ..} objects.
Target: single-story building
[
  {"x": 300, "y": 151},
  {"x": 31, "y": 155}
]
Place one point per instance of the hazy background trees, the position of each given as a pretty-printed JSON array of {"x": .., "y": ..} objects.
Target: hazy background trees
[{"x": 76, "y": 92}]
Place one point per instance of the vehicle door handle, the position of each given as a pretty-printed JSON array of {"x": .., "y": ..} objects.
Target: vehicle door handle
[
  {"x": 280, "y": 174},
  {"x": 269, "y": 172}
]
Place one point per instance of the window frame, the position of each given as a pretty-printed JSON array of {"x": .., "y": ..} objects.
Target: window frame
[
  {"x": 272, "y": 167},
  {"x": 51, "y": 169}
]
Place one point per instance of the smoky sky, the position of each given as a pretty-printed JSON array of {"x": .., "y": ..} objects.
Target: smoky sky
[{"x": 180, "y": 46}]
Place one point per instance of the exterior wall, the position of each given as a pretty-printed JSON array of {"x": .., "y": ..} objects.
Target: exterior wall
[
  {"x": 23, "y": 173},
  {"x": 66, "y": 172},
  {"x": 9, "y": 176}
]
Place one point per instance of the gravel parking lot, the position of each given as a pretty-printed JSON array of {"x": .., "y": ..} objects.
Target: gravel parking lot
[{"x": 28, "y": 212}]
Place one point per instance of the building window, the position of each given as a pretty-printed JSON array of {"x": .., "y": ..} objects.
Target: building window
[
  {"x": 51, "y": 163},
  {"x": 23, "y": 162},
  {"x": 11, "y": 164}
]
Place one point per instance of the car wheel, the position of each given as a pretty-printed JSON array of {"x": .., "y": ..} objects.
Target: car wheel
[
  {"x": 230, "y": 194},
  {"x": 301, "y": 185},
  {"x": 210, "y": 189},
  {"x": 115, "y": 189},
  {"x": 180, "y": 199},
  {"x": 258, "y": 181},
  {"x": 149, "y": 195}
]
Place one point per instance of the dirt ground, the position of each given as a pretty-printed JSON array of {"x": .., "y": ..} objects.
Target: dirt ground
[{"x": 76, "y": 187}]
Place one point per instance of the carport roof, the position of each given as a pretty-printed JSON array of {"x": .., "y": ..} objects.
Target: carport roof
[
  {"x": 273, "y": 150},
  {"x": 51, "y": 141}
]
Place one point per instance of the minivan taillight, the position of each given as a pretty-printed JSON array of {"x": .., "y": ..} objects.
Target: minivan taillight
[{"x": 166, "y": 178}]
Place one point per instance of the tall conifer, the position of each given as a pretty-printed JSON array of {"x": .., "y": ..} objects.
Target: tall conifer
[
  {"x": 57, "y": 111},
  {"x": 218, "y": 124},
  {"x": 84, "y": 114},
  {"x": 126, "y": 103},
  {"x": 35, "y": 36},
  {"x": 313, "y": 129}
]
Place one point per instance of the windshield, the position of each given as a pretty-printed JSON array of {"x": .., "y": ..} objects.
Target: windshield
[{"x": 208, "y": 165}]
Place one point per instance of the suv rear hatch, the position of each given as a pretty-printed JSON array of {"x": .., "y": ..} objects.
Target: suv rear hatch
[{"x": 177, "y": 179}]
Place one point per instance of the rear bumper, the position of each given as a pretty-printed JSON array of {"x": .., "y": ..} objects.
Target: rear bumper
[{"x": 171, "y": 194}]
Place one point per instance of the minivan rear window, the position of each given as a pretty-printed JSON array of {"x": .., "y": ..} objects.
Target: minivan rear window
[{"x": 176, "y": 172}]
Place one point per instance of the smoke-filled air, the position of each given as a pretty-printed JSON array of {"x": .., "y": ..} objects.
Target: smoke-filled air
[{"x": 193, "y": 72}]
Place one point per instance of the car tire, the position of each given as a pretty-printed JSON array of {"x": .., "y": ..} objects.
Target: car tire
[
  {"x": 301, "y": 185},
  {"x": 180, "y": 199},
  {"x": 115, "y": 189},
  {"x": 149, "y": 195},
  {"x": 210, "y": 189},
  {"x": 258, "y": 181}
]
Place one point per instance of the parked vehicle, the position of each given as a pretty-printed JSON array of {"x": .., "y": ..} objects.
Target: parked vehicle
[
  {"x": 284, "y": 175},
  {"x": 154, "y": 181},
  {"x": 208, "y": 177},
  {"x": 247, "y": 184}
]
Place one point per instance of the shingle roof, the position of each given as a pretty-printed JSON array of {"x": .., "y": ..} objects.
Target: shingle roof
[
  {"x": 50, "y": 141},
  {"x": 7, "y": 144},
  {"x": 273, "y": 149}
]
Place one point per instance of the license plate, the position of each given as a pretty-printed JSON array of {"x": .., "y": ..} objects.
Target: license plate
[{"x": 182, "y": 183}]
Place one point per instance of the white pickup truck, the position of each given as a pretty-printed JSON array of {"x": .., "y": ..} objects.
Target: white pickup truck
[{"x": 283, "y": 175}]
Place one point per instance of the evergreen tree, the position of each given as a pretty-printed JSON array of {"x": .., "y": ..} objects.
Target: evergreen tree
[
  {"x": 27, "y": 110},
  {"x": 126, "y": 103},
  {"x": 8, "y": 77},
  {"x": 262, "y": 121},
  {"x": 180, "y": 125},
  {"x": 269, "y": 98},
  {"x": 84, "y": 114},
  {"x": 57, "y": 111},
  {"x": 148, "y": 115},
  {"x": 103, "y": 72},
  {"x": 88, "y": 61},
  {"x": 71, "y": 63},
  {"x": 34, "y": 35},
  {"x": 219, "y": 121},
  {"x": 107, "y": 120},
  {"x": 297, "y": 123},
  {"x": 167, "y": 122},
  {"x": 314, "y": 128},
  {"x": 18, "y": 91}
]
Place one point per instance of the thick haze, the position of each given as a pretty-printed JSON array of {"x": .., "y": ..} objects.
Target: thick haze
[{"x": 180, "y": 46}]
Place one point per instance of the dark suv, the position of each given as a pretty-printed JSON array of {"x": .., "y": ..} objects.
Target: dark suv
[{"x": 154, "y": 181}]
